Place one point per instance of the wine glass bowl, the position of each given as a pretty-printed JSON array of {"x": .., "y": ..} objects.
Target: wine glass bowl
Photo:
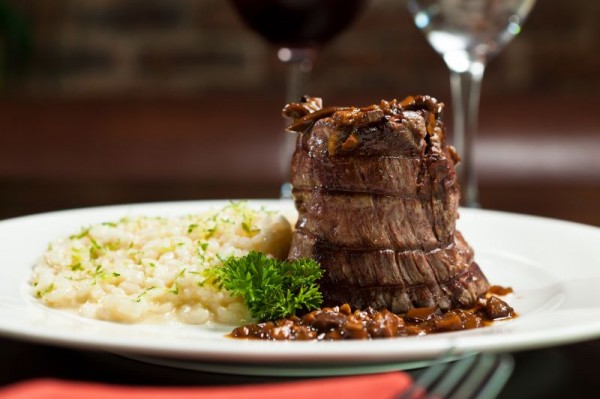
[
  {"x": 298, "y": 23},
  {"x": 467, "y": 34},
  {"x": 468, "y": 31}
]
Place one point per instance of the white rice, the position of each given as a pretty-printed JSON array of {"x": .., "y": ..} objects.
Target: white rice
[{"x": 150, "y": 269}]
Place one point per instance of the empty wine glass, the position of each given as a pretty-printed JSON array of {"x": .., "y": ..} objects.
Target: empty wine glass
[
  {"x": 467, "y": 33},
  {"x": 297, "y": 28}
]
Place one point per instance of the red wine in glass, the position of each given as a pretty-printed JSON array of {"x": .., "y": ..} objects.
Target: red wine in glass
[{"x": 298, "y": 23}]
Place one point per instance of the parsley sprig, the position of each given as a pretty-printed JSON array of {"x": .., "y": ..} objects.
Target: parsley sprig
[{"x": 270, "y": 288}]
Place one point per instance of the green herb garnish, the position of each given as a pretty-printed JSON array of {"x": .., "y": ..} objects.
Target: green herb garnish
[
  {"x": 76, "y": 267},
  {"x": 84, "y": 232},
  {"x": 48, "y": 290},
  {"x": 270, "y": 288}
]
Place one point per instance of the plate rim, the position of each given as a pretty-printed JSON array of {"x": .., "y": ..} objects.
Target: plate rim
[{"x": 296, "y": 351}]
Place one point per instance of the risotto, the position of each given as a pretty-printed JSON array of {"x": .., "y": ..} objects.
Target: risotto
[{"x": 150, "y": 269}]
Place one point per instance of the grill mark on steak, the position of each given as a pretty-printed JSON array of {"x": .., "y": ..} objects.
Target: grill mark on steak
[{"x": 358, "y": 249}]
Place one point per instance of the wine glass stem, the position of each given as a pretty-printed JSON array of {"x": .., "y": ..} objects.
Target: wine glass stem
[
  {"x": 298, "y": 76},
  {"x": 299, "y": 66},
  {"x": 466, "y": 87}
]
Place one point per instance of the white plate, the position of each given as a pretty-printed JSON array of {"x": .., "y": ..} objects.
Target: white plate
[{"x": 553, "y": 267}]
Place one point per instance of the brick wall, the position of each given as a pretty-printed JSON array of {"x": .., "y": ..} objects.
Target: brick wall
[{"x": 198, "y": 47}]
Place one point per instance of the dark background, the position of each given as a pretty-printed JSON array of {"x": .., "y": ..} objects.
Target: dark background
[{"x": 111, "y": 101}]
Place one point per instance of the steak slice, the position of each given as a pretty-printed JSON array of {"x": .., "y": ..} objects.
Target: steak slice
[
  {"x": 364, "y": 267},
  {"x": 376, "y": 221},
  {"x": 461, "y": 291},
  {"x": 389, "y": 175},
  {"x": 446, "y": 277},
  {"x": 403, "y": 136}
]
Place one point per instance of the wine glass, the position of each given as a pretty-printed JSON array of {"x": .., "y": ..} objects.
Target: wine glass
[
  {"x": 298, "y": 28},
  {"x": 467, "y": 33}
]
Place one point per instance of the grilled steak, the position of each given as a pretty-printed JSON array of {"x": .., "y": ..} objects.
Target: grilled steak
[{"x": 377, "y": 198}]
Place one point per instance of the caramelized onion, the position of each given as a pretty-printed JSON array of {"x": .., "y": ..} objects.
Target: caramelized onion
[{"x": 341, "y": 322}]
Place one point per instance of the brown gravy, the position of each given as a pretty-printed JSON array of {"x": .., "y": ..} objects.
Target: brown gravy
[{"x": 342, "y": 322}]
